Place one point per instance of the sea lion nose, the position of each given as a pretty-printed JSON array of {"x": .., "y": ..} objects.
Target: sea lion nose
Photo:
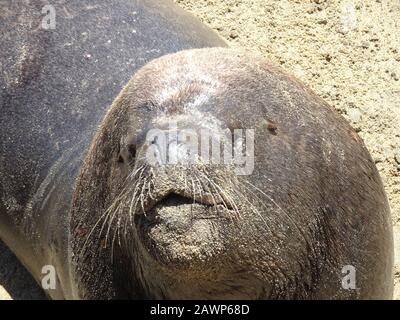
[{"x": 172, "y": 147}]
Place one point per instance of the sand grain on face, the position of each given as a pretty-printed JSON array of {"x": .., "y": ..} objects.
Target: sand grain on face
[{"x": 347, "y": 51}]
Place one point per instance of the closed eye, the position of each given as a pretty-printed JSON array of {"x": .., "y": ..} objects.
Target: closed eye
[{"x": 127, "y": 154}]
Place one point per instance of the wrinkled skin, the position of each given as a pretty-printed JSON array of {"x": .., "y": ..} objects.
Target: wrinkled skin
[{"x": 313, "y": 204}]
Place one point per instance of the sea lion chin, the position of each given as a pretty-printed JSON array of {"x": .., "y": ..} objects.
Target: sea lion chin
[{"x": 179, "y": 232}]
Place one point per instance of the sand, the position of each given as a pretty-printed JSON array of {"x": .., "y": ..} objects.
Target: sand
[{"x": 347, "y": 51}]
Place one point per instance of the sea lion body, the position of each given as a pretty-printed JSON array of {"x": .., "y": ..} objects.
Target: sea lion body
[
  {"x": 56, "y": 87},
  {"x": 117, "y": 218}
]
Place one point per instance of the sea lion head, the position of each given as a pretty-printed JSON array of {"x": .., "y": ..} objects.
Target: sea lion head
[{"x": 183, "y": 191}]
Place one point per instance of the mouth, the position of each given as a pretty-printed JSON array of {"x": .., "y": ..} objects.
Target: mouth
[
  {"x": 204, "y": 199},
  {"x": 178, "y": 214},
  {"x": 181, "y": 199},
  {"x": 200, "y": 207}
]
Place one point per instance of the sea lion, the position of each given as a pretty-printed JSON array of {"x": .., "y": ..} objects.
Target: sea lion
[{"x": 131, "y": 210}]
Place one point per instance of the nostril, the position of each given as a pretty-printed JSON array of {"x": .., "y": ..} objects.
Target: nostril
[{"x": 154, "y": 141}]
